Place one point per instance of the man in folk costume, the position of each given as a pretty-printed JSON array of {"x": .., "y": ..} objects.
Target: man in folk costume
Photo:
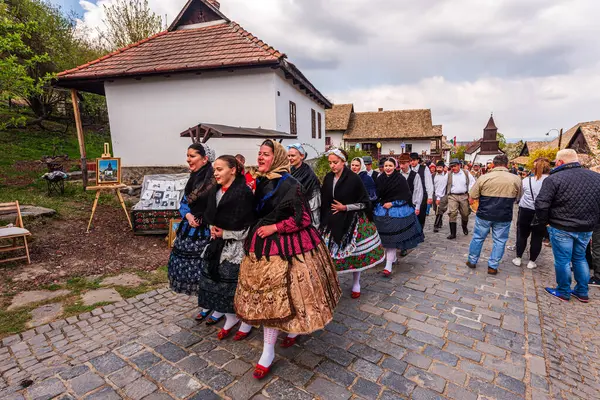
[
  {"x": 426, "y": 184},
  {"x": 476, "y": 171},
  {"x": 440, "y": 180},
  {"x": 458, "y": 184},
  {"x": 370, "y": 171}
]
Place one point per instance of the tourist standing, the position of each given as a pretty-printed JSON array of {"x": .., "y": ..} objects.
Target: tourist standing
[
  {"x": 193, "y": 233},
  {"x": 395, "y": 215},
  {"x": 229, "y": 213},
  {"x": 527, "y": 223},
  {"x": 369, "y": 166},
  {"x": 287, "y": 280},
  {"x": 347, "y": 221},
  {"x": 569, "y": 203},
  {"x": 440, "y": 204},
  {"x": 458, "y": 183},
  {"x": 358, "y": 167},
  {"x": 427, "y": 186},
  {"x": 497, "y": 193},
  {"x": 304, "y": 174}
]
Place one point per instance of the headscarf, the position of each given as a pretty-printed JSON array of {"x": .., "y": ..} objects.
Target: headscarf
[
  {"x": 363, "y": 166},
  {"x": 298, "y": 147},
  {"x": 366, "y": 179},
  {"x": 280, "y": 165},
  {"x": 200, "y": 182},
  {"x": 338, "y": 153}
]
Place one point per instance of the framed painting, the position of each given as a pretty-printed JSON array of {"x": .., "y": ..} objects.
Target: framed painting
[
  {"x": 173, "y": 226},
  {"x": 108, "y": 171}
]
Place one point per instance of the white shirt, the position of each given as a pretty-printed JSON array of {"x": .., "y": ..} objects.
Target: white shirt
[
  {"x": 459, "y": 184},
  {"x": 527, "y": 198},
  {"x": 439, "y": 183},
  {"x": 428, "y": 181},
  {"x": 417, "y": 197}
]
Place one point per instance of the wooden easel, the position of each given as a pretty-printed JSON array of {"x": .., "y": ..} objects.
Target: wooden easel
[
  {"x": 108, "y": 187},
  {"x": 100, "y": 189}
]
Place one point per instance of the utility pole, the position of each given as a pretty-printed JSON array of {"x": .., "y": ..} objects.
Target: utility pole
[{"x": 560, "y": 139}]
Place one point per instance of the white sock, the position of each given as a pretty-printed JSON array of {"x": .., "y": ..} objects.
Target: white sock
[
  {"x": 292, "y": 335},
  {"x": 356, "y": 282},
  {"x": 245, "y": 328},
  {"x": 390, "y": 258},
  {"x": 268, "y": 354},
  {"x": 204, "y": 310},
  {"x": 217, "y": 315},
  {"x": 230, "y": 321}
]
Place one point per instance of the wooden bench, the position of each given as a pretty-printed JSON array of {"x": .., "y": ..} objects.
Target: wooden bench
[{"x": 14, "y": 232}]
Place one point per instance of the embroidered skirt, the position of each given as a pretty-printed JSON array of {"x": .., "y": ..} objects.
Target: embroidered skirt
[
  {"x": 184, "y": 264},
  {"x": 363, "y": 252},
  {"x": 218, "y": 295},
  {"x": 297, "y": 296},
  {"x": 403, "y": 233}
]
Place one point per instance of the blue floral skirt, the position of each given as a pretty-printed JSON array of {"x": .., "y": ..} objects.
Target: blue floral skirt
[
  {"x": 185, "y": 263},
  {"x": 403, "y": 233}
]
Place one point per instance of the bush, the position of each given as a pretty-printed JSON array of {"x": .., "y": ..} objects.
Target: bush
[
  {"x": 548, "y": 153},
  {"x": 322, "y": 164}
]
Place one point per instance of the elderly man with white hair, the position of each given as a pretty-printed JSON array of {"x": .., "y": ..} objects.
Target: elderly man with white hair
[{"x": 569, "y": 203}]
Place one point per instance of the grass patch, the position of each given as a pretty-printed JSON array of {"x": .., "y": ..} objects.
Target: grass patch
[
  {"x": 157, "y": 277},
  {"x": 79, "y": 284},
  {"x": 13, "y": 321},
  {"x": 76, "y": 308},
  {"x": 129, "y": 292}
]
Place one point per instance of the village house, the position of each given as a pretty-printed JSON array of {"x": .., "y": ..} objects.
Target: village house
[
  {"x": 204, "y": 72},
  {"x": 584, "y": 138},
  {"x": 397, "y": 131},
  {"x": 485, "y": 149}
]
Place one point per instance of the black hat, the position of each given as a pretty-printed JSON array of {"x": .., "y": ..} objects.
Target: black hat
[
  {"x": 454, "y": 161},
  {"x": 440, "y": 164},
  {"x": 382, "y": 162},
  {"x": 428, "y": 163},
  {"x": 521, "y": 169},
  {"x": 414, "y": 156},
  {"x": 368, "y": 160}
]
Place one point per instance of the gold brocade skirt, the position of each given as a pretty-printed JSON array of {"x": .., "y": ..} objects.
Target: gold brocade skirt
[{"x": 297, "y": 296}]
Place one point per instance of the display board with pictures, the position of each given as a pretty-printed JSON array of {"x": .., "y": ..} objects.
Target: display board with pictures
[{"x": 162, "y": 192}]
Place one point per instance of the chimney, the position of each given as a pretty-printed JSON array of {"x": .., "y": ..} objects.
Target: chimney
[
  {"x": 380, "y": 110},
  {"x": 215, "y": 4}
]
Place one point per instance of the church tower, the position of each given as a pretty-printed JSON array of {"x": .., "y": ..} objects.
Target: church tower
[{"x": 490, "y": 144}]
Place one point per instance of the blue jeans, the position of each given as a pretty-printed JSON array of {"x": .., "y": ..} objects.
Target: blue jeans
[
  {"x": 569, "y": 248},
  {"x": 500, "y": 232}
]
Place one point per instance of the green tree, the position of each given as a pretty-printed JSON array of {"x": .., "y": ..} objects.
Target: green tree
[
  {"x": 322, "y": 166},
  {"x": 513, "y": 150},
  {"x": 459, "y": 152},
  {"x": 502, "y": 140},
  {"x": 129, "y": 21}
]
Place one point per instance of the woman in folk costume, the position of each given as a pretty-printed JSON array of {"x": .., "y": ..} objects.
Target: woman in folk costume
[
  {"x": 230, "y": 214},
  {"x": 358, "y": 167},
  {"x": 311, "y": 187},
  {"x": 346, "y": 221},
  {"x": 193, "y": 233},
  {"x": 394, "y": 214},
  {"x": 287, "y": 280}
]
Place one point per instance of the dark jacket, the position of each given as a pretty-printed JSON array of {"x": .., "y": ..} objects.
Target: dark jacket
[
  {"x": 570, "y": 199},
  {"x": 497, "y": 191}
]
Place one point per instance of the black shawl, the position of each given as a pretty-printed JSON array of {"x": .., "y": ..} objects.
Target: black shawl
[
  {"x": 348, "y": 190},
  {"x": 307, "y": 178},
  {"x": 197, "y": 189},
  {"x": 276, "y": 200},
  {"x": 393, "y": 187},
  {"x": 234, "y": 213}
]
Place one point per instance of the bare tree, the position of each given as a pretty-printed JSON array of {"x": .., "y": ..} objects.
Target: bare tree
[{"x": 129, "y": 21}]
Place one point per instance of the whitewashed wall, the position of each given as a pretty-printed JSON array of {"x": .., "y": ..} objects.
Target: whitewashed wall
[
  {"x": 337, "y": 138},
  {"x": 146, "y": 116},
  {"x": 284, "y": 93},
  {"x": 473, "y": 156},
  {"x": 418, "y": 146}
]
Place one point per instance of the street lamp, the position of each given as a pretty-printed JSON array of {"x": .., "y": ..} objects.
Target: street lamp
[{"x": 560, "y": 133}]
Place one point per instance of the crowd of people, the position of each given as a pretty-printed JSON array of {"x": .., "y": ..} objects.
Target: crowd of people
[{"x": 265, "y": 249}]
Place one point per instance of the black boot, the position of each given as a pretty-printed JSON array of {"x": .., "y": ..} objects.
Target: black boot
[
  {"x": 464, "y": 226},
  {"x": 437, "y": 224},
  {"x": 452, "y": 230}
]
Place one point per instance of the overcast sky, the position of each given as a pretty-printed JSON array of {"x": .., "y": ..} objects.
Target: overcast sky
[{"x": 533, "y": 63}]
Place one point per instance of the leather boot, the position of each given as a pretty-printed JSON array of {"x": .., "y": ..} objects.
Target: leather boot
[
  {"x": 436, "y": 225},
  {"x": 452, "y": 231},
  {"x": 464, "y": 226}
]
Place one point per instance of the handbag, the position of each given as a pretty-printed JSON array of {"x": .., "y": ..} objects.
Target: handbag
[{"x": 535, "y": 222}]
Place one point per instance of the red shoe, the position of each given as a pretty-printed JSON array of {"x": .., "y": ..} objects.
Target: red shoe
[
  {"x": 223, "y": 333},
  {"x": 260, "y": 372},
  {"x": 241, "y": 336},
  {"x": 287, "y": 342},
  {"x": 386, "y": 273},
  {"x": 355, "y": 295}
]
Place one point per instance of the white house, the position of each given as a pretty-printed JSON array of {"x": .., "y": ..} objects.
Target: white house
[
  {"x": 204, "y": 69},
  {"x": 398, "y": 131},
  {"x": 485, "y": 149}
]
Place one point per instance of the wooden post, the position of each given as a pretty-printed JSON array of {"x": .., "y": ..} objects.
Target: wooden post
[
  {"x": 560, "y": 139},
  {"x": 80, "y": 137}
]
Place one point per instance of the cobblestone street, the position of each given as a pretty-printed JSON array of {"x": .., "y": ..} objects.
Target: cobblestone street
[{"x": 435, "y": 330}]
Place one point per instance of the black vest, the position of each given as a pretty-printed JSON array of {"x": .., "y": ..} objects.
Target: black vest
[
  {"x": 422, "y": 176},
  {"x": 411, "y": 181}
]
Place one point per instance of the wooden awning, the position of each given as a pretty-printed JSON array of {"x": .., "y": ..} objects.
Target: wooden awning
[{"x": 202, "y": 132}]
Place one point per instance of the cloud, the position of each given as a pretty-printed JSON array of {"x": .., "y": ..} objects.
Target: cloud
[{"x": 531, "y": 62}]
